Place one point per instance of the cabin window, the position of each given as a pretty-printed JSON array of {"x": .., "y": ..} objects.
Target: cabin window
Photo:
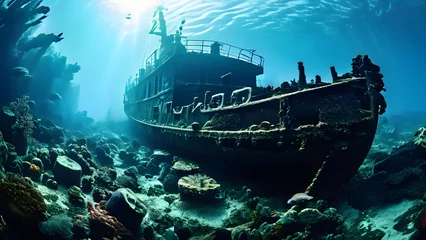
[
  {"x": 160, "y": 84},
  {"x": 149, "y": 89},
  {"x": 156, "y": 113},
  {"x": 156, "y": 85},
  {"x": 168, "y": 107}
]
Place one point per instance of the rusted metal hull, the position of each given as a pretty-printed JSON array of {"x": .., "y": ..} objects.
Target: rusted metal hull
[{"x": 338, "y": 121}]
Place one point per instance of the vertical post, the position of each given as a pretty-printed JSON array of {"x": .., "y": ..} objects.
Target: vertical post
[
  {"x": 302, "y": 76},
  {"x": 372, "y": 94}
]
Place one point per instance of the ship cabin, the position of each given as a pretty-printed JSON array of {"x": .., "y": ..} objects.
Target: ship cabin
[{"x": 192, "y": 76}]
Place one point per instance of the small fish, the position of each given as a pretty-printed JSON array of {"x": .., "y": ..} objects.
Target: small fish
[
  {"x": 129, "y": 16},
  {"x": 183, "y": 22},
  {"x": 55, "y": 97},
  {"x": 298, "y": 198}
]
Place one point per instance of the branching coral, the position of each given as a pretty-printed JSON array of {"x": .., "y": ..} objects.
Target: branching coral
[
  {"x": 24, "y": 120},
  {"x": 23, "y": 198},
  {"x": 107, "y": 226}
]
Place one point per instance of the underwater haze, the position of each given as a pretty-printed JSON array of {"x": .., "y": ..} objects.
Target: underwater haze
[
  {"x": 321, "y": 33},
  {"x": 115, "y": 125}
]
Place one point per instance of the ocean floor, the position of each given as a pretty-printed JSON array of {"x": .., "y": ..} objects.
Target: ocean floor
[{"x": 101, "y": 184}]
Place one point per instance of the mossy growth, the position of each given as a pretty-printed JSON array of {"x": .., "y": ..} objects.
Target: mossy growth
[
  {"x": 223, "y": 122},
  {"x": 22, "y": 198}
]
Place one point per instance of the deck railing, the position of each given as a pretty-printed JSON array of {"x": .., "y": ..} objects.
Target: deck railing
[
  {"x": 204, "y": 47},
  {"x": 226, "y": 50}
]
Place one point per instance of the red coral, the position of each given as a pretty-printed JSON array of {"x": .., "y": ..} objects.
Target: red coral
[{"x": 114, "y": 229}]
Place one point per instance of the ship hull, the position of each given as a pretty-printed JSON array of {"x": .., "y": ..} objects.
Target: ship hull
[
  {"x": 281, "y": 165},
  {"x": 288, "y": 156}
]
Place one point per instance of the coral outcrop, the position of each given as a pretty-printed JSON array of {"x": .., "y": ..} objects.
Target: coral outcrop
[
  {"x": 199, "y": 188},
  {"x": 20, "y": 197}
]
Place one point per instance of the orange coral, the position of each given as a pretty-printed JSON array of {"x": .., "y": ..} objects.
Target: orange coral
[
  {"x": 32, "y": 170},
  {"x": 109, "y": 226}
]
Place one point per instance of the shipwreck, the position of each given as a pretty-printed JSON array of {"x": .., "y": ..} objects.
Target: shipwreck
[{"x": 199, "y": 99}]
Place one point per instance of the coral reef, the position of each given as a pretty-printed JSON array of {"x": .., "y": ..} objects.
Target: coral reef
[
  {"x": 20, "y": 198},
  {"x": 17, "y": 124},
  {"x": 104, "y": 225},
  {"x": 199, "y": 188}
]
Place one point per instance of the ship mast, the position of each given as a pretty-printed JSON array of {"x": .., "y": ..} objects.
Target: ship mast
[
  {"x": 163, "y": 27},
  {"x": 159, "y": 28}
]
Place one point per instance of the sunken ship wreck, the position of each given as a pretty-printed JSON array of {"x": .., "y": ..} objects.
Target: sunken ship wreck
[{"x": 198, "y": 99}]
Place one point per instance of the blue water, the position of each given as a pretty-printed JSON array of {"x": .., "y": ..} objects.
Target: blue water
[{"x": 320, "y": 33}]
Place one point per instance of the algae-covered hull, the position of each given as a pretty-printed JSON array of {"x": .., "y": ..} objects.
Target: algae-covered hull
[{"x": 336, "y": 122}]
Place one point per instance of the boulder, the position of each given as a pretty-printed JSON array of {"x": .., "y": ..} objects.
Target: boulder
[
  {"x": 67, "y": 171},
  {"x": 127, "y": 208}
]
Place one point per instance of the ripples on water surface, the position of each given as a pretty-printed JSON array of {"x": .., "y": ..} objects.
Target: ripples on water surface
[
  {"x": 278, "y": 15},
  {"x": 320, "y": 33}
]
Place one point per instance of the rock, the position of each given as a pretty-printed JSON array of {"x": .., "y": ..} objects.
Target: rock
[
  {"x": 367, "y": 234},
  {"x": 136, "y": 144},
  {"x": 128, "y": 158},
  {"x": 47, "y": 132},
  {"x": 159, "y": 156},
  {"x": 76, "y": 196},
  {"x": 31, "y": 170},
  {"x": 310, "y": 216},
  {"x": 44, "y": 155},
  {"x": 221, "y": 234},
  {"x": 131, "y": 172},
  {"x": 127, "y": 208},
  {"x": 170, "y": 235},
  {"x": 184, "y": 167},
  {"x": 100, "y": 194},
  {"x": 45, "y": 177},
  {"x": 148, "y": 233},
  {"x": 238, "y": 216},
  {"x": 103, "y": 157},
  {"x": 81, "y": 141},
  {"x": 403, "y": 178},
  {"x": 54, "y": 153},
  {"x": 87, "y": 184},
  {"x": 183, "y": 233},
  {"x": 37, "y": 161},
  {"x": 105, "y": 178},
  {"x": 164, "y": 171},
  {"x": 67, "y": 172},
  {"x": 404, "y": 220},
  {"x": 408, "y": 155},
  {"x": 124, "y": 181},
  {"x": 52, "y": 184}
]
